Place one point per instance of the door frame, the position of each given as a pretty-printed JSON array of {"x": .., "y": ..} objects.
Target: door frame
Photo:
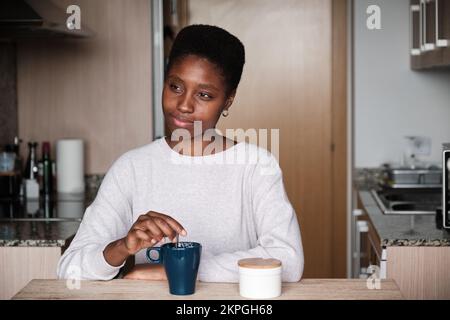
[
  {"x": 341, "y": 137},
  {"x": 157, "y": 67},
  {"x": 351, "y": 199}
]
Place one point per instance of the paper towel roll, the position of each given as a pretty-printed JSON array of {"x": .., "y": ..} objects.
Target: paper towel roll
[{"x": 70, "y": 166}]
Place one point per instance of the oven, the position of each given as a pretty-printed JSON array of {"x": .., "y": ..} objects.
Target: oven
[{"x": 446, "y": 186}]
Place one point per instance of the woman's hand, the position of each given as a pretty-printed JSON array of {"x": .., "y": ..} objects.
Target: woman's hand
[
  {"x": 147, "y": 272},
  {"x": 149, "y": 229}
]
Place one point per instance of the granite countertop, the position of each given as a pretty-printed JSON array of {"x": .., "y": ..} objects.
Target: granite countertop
[
  {"x": 397, "y": 230},
  {"x": 37, "y": 233},
  {"x": 46, "y": 233}
]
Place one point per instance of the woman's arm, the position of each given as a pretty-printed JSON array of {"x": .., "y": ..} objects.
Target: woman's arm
[
  {"x": 116, "y": 253},
  {"x": 276, "y": 227},
  {"x": 106, "y": 220},
  {"x": 147, "y": 271},
  {"x": 107, "y": 235}
]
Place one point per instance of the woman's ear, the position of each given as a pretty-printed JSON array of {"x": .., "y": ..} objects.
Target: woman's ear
[{"x": 230, "y": 100}]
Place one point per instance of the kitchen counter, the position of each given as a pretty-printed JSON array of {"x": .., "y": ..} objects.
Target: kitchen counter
[
  {"x": 404, "y": 230},
  {"x": 398, "y": 230},
  {"x": 330, "y": 289},
  {"x": 40, "y": 223},
  {"x": 31, "y": 224},
  {"x": 36, "y": 233}
]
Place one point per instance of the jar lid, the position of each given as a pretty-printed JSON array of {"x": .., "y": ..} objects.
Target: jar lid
[{"x": 259, "y": 263}]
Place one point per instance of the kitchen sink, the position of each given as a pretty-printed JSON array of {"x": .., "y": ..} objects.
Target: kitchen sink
[{"x": 408, "y": 201}]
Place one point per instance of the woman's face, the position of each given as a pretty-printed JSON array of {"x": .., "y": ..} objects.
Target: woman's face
[{"x": 194, "y": 90}]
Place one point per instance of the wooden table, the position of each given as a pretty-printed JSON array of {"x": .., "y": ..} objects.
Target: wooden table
[{"x": 340, "y": 289}]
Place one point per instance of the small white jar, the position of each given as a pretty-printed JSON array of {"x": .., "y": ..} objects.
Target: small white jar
[{"x": 259, "y": 278}]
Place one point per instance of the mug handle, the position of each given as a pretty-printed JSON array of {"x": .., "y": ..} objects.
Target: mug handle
[{"x": 149, "y": 258}]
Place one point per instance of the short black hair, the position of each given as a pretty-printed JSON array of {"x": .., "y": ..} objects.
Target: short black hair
[{"x": 216, "y": 45}]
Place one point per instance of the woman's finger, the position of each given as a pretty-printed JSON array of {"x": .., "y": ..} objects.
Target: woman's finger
[
  {"x": 150, "y": 226},
  {"x": 174, "y": 224},
  {"x": 166, "y": 228},
  {"x": 148, "y": 241}
]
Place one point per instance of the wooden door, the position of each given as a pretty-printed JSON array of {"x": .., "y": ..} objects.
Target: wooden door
[{"x": 287, "y": 84}]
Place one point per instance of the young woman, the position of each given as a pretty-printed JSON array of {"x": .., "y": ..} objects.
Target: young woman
[{"x": 154, "y": 193}]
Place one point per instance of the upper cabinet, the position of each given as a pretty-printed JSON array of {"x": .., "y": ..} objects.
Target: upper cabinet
[{"x": 430, "y": 33}]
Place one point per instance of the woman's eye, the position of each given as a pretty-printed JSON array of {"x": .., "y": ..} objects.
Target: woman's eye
[
  {"x": 205, "y": 95},
  {"x": 175, "y": 88}
]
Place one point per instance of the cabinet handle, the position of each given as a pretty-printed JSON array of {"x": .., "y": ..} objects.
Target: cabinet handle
[
  {"x": 383, "y": 264},
  {"x": 425, "y": 45},
  {"x": 421, "y": 25},
  {"x": 445, "y": 188},
  {"x": 414, "y": 10},
  {"x": 441, "y": 43}
]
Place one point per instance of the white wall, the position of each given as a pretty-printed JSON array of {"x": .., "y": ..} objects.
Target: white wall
[{"x": 391, "y": 100}]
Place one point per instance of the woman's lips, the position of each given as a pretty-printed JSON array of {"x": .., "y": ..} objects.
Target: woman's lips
[{"x": 181, "y": 122}]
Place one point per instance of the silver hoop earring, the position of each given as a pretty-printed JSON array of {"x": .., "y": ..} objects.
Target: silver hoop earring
[{"x": 225, "y": 113}]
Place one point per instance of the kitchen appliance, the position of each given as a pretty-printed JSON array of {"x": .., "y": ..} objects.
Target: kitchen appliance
[
  {"x": 407, "y": 177},
  {"x": 446, "y": 186},
  {"x": 406, "y": 190}
]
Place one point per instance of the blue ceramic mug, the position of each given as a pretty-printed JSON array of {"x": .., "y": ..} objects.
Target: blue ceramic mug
[{"x": 181, "y": 264}]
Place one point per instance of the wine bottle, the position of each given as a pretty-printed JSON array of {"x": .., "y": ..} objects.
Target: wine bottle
[{"x": 47, "y": 176}]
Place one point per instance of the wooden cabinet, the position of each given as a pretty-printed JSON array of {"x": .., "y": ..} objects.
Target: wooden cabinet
[
  {"x": 369, "y": 252},
  {"x": 444, "y": 33},
  {"x": 430, "y": 33},
  {"x": 421, "y": 272},
  {"x": 19, "y": 265}
]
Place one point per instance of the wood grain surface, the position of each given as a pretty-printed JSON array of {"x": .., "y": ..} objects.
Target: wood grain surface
[{"x": 333, "y": 289}]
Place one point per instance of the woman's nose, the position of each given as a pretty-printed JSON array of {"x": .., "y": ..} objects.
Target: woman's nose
[{"x": 185, "y": 104}]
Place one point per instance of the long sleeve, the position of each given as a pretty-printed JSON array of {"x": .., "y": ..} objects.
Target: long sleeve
[
  {"x": 278, "y": 233},
  {"x": 107, "y": 219}
]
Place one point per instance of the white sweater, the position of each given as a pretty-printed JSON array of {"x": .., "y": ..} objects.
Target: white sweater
[{"x": 232, "y": 202}]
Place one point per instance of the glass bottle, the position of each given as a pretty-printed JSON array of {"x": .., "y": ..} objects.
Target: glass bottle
[
  {"x": 47, "y": 172},
  {"x": 31, "y": 169}
]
